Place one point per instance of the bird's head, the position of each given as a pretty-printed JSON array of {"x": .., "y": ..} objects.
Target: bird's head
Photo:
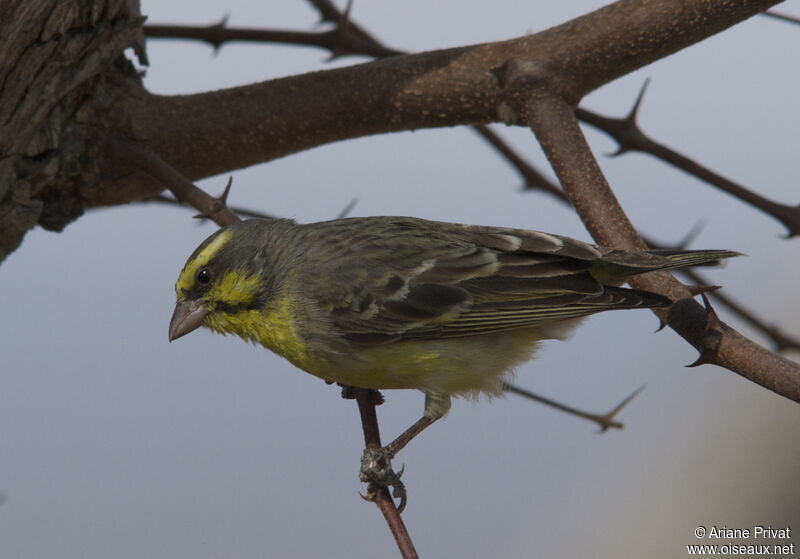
[{"x": 222, "y": 281}]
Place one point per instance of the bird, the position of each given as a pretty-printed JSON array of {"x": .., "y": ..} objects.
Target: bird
[{"x": 407, "y": 303}]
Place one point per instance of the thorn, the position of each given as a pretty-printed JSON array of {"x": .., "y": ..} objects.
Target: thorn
[
  {"x": 222, "y": 23},
  {"x": 661, "y": 325},
  {"x": 221, "y": 200},
  {"x": 344, "y": 21},
  {"x": 703, "y": 359},
  {"x": 342, "y": 24},
  {"x": 621, "y": 150},
  {"x": 216, "y": 43},
  {"x": 403, "y": 499},
  {"x": 631, "y": 118},
  {"x": 347, "y": 209},
  {"x": 224, "y": 196},
  {"x": 711, "y": 338}
]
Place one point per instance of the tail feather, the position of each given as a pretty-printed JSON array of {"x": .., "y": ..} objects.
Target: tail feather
[
  {"x": 684, "y": 258},
  {"x": 619, "y": 266}
]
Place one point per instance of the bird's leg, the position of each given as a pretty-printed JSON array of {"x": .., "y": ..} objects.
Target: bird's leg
[{"x": 376, "y": 463}]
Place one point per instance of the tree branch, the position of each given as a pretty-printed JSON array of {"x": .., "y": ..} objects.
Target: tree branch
[
  {"x": 432, "y": 89},
  {"x": 338, "y": 41},
  {"x": 139, "y": 157},
  {"x": 780, "y": 341},
  {"x": 348, "y": 38},
  {"x": 534, "y": 103}
]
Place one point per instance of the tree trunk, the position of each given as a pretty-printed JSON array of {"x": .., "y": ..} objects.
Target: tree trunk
[{"x": 61, "y": 72}]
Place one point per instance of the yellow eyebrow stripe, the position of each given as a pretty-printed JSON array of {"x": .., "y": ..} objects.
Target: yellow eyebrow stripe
[{"x": 186, "y": 279}]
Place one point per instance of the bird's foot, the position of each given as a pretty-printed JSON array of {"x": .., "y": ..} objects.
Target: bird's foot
[{"x": 377, "y": 472}]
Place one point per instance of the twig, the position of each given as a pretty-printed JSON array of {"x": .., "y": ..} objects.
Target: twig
[
  {"x": 782, "y": 17},
  {"x": 245, "y": 212},
  {"x": 182, "y": 188},
  {"x": 605, "y": 421},
  {"x": 367, "y": 400},
  {"x": 346, "y": 37},
  {"x": 629, "y": 137},
  {"x": 338, "y": 42}
]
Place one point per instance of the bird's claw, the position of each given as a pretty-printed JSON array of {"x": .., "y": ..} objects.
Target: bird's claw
[{"x": 376, "y": 470}]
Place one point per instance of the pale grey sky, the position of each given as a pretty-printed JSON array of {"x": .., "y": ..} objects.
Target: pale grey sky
[{"x": 116, "y": 444}]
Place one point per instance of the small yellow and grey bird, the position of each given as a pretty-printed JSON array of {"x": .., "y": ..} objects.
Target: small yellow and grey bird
[{"x": 400, "y": 302}]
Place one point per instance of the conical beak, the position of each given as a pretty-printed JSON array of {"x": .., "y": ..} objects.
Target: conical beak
[{"x": 188, "y": 316}]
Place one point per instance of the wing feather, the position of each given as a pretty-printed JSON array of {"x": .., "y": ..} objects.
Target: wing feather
[{"x": 414, "y": 279}]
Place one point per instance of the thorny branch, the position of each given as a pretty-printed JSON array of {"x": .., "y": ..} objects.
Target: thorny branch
[
  {"x": 339, "y": 41},
  {"x": 348, "y": 38},
  {"x": 532, "y": 101},
  {"x": 629, "y": 137},
  {"x": 438, "y": 88},
  {"x": 143, "y": 159}
]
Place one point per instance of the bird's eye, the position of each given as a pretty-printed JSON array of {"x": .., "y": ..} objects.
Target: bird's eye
[{"x": 203, "y": 276}]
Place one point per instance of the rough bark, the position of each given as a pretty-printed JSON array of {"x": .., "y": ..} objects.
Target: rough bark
[{"x": 61, "y": 74}]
